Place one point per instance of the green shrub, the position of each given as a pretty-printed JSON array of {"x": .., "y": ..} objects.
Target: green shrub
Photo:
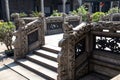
[
  {"x": 74, "y": 12},
  {"x": 97, "y": 15},
  {"x": 23, "y": 14},
  {"x": 35, "y": 14},
  {"x": 113, "y": 10},
  {"x": 82, "y": 10},
  {"x": 6, "y": 33},
  {"x": 56, "y": 13}
]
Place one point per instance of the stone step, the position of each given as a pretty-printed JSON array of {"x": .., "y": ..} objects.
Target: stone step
[
  {"x": 43, "y": 61},
  {"x": 40, "y": 70},
  {"x": 25, "y": 72},
  {"x": 50, "y": 48},
  {"x": 46, "y": 54}
]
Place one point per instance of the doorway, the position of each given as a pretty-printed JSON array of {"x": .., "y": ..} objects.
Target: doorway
[
  {"x": 106, "y": 6},
  {"x": 1, "y": 10},
  {"x": 95, "y": 7}
]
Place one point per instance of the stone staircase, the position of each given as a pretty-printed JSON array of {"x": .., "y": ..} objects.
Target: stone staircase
[{"x": 42, "y": 62}]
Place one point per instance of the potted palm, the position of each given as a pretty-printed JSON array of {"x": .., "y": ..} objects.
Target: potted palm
[{"x": 6, "y": 34}]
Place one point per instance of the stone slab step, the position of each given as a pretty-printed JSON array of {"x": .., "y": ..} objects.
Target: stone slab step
[
  {"x": 43, "y": 61},
  {"x": 25, "y": 72},
  {"x": 40, "y": 70},
  {"x": 50, "y": 48},
  {"x": 46, "y": 54}
]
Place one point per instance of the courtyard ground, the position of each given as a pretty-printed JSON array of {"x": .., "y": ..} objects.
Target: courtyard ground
[
  {"x": 5, "y": 72},
  {"x": 8, "y": 74}
]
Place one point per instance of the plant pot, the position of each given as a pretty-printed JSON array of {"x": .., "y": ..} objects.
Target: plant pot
[{"x": 9, "y": 52}]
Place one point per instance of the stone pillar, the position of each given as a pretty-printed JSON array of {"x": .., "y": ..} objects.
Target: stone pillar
[
  {"x": 80, "y": 2},
  {"x": 64, "y": 6},
  {"x": 43, "y": 14},
  {"x": 42, "y": 6},
  {"x": 7, "y": 10},
  {"x": 66, "y": 57},
  {"x": 111, "y": 4}
]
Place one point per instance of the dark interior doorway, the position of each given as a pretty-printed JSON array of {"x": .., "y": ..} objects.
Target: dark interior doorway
[
  {"x": 106, "y": 6},
  {"x": 1, "y": 10},
  {"x": 95, "y": 7}
]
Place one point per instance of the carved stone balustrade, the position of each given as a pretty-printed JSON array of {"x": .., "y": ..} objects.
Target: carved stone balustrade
[
  {"x": 93, "y": 47},
  {"x": 29, "y": 19},
  {"x": 67, "y": 66},
  {"x": 28, "y": 37},
  {"x": 55, "y": 24}
]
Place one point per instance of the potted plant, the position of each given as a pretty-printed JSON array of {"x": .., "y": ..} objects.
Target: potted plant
[{"x": 6, "y": 34}]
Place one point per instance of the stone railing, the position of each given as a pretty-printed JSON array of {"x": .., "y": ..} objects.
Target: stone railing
[
  {"x": 28, "y": 37},
  {"x": 93, "y": 47},
  {"x": 55, "y": 24},
  {"x": 73, "y": 48},
  {"x": 105, "y": 42},
  {"x": 111, "y": 17},
  {"x": 29, "y": 19}
]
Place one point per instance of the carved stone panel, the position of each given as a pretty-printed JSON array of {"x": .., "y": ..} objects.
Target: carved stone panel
[
  {"x": 54, "y": 27},
  {"x": 74, "y": 23},
  {"x": 33, "y": 37},
  {"x": 79, "y": 47},
  {"x": 111, "y": 44}
]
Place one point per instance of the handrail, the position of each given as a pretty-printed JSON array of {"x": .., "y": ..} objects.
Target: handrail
[{"x": 28, "y": 37}]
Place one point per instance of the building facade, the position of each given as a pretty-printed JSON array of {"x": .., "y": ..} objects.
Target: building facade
[
  {"x": 28, "y": 6},
  {"x": 100, "y": 5}
]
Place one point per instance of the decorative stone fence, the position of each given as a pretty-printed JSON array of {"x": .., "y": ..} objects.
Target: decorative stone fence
[
  {"x": 111, "y": 17},
  {"x": 28, "y": 37},
  {"x": 55, "y": 24},
  {"x": 93, "y": 47},
  {"x": 72, "y": 59},
  {"x": 29, "y": 19},
  {"x": 105, "y": 40},
  {"x": 30, "y": 31}
]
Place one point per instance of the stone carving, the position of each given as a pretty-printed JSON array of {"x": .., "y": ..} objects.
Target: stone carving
[
  {"x": 66, "y": 57},
  {"x": 55, "y": 24},
  {"x": 67, "y": 28},
  {"x": 79, "y": 48},
  {"x": 108, "y": 44},
  {"x": 115, "y": 17},
  {"x": 71, "y": 45},
  {"x": 106, "y": 25},
  {"x": 105, "y": 18},
  {"x": 21, "y": 47}
]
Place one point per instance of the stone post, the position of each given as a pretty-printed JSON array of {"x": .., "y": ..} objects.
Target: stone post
[
  {"x": 42, "y": 6},
  {"x": 64, "y": 6},
  {"x": 111, "y": 4},
  {"x": 80, "y": 2},
  {"x": 66, "y": 57},
  {"x": 7, "y": 10},
  {"x": 43, "y": 13}
]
